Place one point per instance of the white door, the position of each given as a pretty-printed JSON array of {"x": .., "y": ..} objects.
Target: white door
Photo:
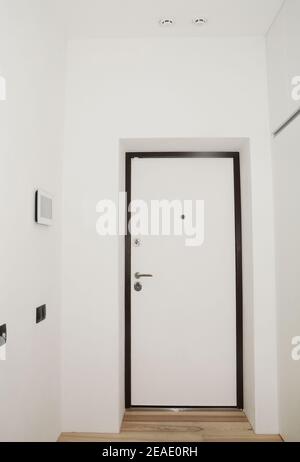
[{"x": 183, "y": 321}]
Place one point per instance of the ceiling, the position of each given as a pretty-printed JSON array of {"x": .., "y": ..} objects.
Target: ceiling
[{"x": 139, "y": 18}]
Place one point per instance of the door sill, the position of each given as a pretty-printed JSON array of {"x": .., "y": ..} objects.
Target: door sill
[{"x": 182, "y": 409}]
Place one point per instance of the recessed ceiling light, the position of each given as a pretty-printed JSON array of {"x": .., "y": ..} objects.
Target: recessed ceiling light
[
  {"x": 166, "y": 22},
  {"x": 199, "y": 21}
]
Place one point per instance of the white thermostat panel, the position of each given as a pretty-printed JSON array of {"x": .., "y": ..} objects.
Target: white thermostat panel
[{"x": 43, "y": 208}]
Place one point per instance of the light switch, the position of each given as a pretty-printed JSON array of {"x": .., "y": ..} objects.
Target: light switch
[{"x": 41, "y": 314}]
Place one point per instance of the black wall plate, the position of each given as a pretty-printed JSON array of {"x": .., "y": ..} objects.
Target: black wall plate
[{"x": 41, "y": 314}]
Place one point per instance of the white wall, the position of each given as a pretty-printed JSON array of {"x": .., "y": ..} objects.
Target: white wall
[
  {"x": 120, "y": 89},
  {"x": 287, "y": 193},
  {"x": 283, "y": 56},
  {"x": 31, "y": 123},
  {"x": 284, "y": 63},
  {"x": 248, "y": 282}
]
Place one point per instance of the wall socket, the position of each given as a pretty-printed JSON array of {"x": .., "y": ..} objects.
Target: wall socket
[{"x": 41, "y": 314}]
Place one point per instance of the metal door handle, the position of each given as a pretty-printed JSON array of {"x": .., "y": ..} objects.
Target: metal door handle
[{"x": 139, "y": 275}]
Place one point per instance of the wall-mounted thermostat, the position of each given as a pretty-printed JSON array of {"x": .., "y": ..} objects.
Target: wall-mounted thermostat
[{"x": 43, "y": 208}]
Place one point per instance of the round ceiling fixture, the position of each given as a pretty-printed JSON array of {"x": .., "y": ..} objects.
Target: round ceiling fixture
[
  {"x": 199, "y": 21},
  {"x": 166, "y": 22}
]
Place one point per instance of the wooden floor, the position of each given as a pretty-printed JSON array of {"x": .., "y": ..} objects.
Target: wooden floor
[{"x": 178, "y": 426}]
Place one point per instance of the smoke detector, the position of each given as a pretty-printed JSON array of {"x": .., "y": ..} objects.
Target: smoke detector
[
  {"x": 199, "y": 21},
  {"x": 165, "y": 22}
]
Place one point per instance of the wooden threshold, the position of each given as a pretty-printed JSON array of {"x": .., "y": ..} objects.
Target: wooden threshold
[{"x": 162, "y": 425}]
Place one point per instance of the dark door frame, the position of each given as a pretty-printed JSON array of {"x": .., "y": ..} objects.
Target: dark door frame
[{"x": 239, "y": 275}]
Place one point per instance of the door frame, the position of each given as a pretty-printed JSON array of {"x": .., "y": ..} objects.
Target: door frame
[{"x": 238, "y": 268}]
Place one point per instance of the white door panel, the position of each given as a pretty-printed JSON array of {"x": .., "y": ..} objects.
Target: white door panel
[{"x": 183, "y": 322}]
